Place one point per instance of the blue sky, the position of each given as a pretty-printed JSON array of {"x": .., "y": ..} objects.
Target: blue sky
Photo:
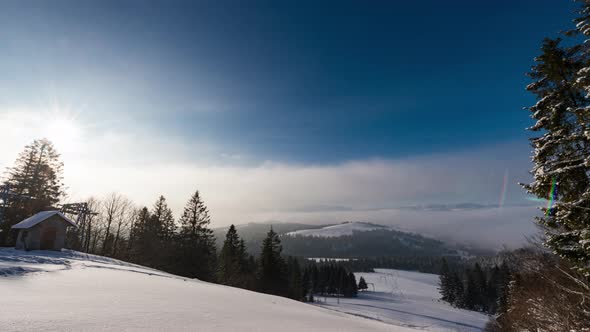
[
  {"x": 256, "y": 84},
  {"x": 293, "y": 81}
]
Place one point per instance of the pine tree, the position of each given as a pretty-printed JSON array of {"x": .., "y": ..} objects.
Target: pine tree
[
  {"x": 272, "y": 274},
  {"x": 562, "y": 150},
  {"x": 503, "y": 282},
  {"x": 38, "y": 173},
  {"x": 296, "y": 288},
  {"x": 163, "y": 220},
  {"x": 306, "y": 284},
  {"x": 37, "y": 177},
  {"x": 138, "y": 240},
  {"x": 446, "y": 283},
  {"x": 231, "y": 259},
  {"x": 493, "y": 289},
  {"x": 480, "y": 282},
  {"x": 351, "y": 288},
  {"x": 458, "y": 290},
  {"x": 471, "y": 294},
  {"x": 362, "y": 284},
  {"x": 196, "y": 240}
]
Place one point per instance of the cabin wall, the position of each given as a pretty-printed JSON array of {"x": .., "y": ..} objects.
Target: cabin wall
[{"x": 33, "y": 238}]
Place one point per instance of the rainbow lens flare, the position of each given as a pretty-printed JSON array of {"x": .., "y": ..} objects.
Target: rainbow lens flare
[{"x": 551, "y": 197}]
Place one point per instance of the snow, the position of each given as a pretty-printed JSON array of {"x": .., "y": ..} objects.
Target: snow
[
  {"x": 409, "y": 300},
  {"x": 344, "y": 229},
  {"x": 71, "y": 291},
  {"x": 39, "y": 217},
  {"x": 329, "y": 259}
]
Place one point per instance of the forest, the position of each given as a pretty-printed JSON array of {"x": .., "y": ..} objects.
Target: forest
[{"x": 114, "y": 226}]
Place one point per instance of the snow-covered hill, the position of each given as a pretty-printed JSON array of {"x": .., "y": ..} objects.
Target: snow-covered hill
[
  {"x": 71, "y": 291},
  {"x": 343, "y": 229},
  {"x": 407, "y": 299}
]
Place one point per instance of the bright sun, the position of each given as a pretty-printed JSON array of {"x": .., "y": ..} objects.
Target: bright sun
[{"x": 64, "y": 132}]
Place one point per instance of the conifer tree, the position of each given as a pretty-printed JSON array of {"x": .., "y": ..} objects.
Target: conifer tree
[
  {"x": 480, "y": 291},
  {"x": 196, "y": 240},
  {"x": 163, "y": 220},
  {"x": 562, "y": 146},
  {"x": 272, "y": 274},
  {"x": 138, "y": 236},
  {"x": 503, "y": 282},
  {"x": 351, "y": 288},
  {"x": 37, "y": 178},
  {"x": 471, "y": 295},
  {"x": 362, "y": 284},
  {"x": 296, "y": 288},
  {"x": 457, "y": 289},
  {"x": 38, "y": 173},
  {"x": 446, "y": 283},
  {"x": 232, "y": 259}
]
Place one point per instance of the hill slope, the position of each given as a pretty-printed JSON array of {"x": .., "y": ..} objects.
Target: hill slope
[
  {"x": 360, "y": 239},
  {"x": 343, "y": 229},
  {"x": 409, "y": 299},
  {"x": 345, "y": 240},
  {"x": 70, "y": 291}
]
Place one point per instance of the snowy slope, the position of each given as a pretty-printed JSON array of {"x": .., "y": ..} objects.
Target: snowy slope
[
  {"x": 408, "y": 299},
  {"x": 70, "y": 291},
  {"x": 339, "y": 230}
]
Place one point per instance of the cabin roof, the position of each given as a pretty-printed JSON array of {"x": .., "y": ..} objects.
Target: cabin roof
[{"x": 40, "y": 217}]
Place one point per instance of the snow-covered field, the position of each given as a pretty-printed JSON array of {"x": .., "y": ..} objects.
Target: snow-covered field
[
  {"x": 338, "y": 230},
  {"x": 70, "y": 291},
  {"x": 408, "y": 299}
]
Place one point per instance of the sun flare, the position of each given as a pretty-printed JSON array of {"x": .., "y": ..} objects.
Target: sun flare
[{"x": 64, "y": 132}]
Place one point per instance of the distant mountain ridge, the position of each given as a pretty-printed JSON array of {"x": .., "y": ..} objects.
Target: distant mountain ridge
[
  {"x": 344, "y": 240},
  {"x": 343, "y": 229}
]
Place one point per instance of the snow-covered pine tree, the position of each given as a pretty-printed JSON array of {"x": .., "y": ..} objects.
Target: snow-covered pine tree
[{"x": 562, "y": 151}]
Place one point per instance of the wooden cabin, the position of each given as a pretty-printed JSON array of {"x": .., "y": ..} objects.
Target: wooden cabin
[{"x": 44, "y": 231}]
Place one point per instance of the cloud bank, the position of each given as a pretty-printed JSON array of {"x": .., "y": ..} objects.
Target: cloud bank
[{"x": 143, "y": 164}]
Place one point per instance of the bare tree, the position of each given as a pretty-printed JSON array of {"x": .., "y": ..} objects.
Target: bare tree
[
  {"x": 91, "y": 219},
  {"x": 545, "y": 294},
  {"x": 114, "y": 209},
  {"x": 123, "y": 222}
]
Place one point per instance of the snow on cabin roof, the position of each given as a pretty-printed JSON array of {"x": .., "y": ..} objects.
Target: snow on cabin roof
[{"x": 39, "y": 217}]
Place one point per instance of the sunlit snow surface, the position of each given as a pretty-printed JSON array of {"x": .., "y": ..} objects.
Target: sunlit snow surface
[
  {"x": 338, "y": 230},
  {"x": 408, "y": 299},
  {"x": 70, "y": 291}
]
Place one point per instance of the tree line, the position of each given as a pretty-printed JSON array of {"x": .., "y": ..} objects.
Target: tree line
[
  {"x": 374, "y": 243},
  {"x": 329, "y": 279},
  {"x": 152, "y": 237},
  {"x": 420, "y": 263},
  {"x": 475, "y": 288},
  {"x": 272, "y": 273}
]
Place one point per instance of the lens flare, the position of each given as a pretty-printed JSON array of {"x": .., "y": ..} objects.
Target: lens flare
[{"x": 552, "y": 193}]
